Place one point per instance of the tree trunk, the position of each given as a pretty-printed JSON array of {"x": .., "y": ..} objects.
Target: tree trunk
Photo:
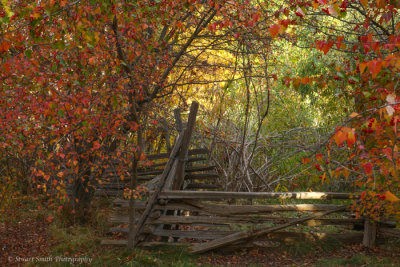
[
  {"x": 80, "y": 200},
  {"x": 133, "y": 185}
]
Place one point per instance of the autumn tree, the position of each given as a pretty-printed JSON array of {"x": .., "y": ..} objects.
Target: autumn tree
[
  {"x": 80, "y": 78},
  {"x": 363, "y": 36}
]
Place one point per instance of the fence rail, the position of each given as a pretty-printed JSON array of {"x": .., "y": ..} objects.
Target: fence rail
[{"x": 207, "y": 221}]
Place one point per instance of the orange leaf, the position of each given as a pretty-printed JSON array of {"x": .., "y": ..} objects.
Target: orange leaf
[
  {"x": 390, "y": 197},
  {"x": 375, "y": 67},
  {"x": 363, "y": 66},
  {"x": 92, "y": 60},
  {"x": 364, "y": 3},
  {"x": 274, "y": 30},
  {"x": 4, "y": 47},
  {"x": 351, "y": 138},
  {"x": 305, "y": 160},
  {"x": 353, "y": 115},
  {"x": 339, "y": 137},
  {"x": 36, "y": 15}
]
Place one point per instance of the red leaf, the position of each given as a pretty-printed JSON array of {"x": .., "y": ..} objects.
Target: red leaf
[
  {"x": 96, "y": 145},
  {"x": 375, "y": 67},
  {"x": 6, "y": 67},
  {"x": 327, "y": 46},
  {"x": 388, "y": 152},
  {"x": 299, "y": 12},
  {"x": 368, "y": 167},
  {"x": 274, "y": 30},
  {"x": 4, "y": 47},
  {"x": 318, "y": 167},
  {"x": 339, "y": 40}
]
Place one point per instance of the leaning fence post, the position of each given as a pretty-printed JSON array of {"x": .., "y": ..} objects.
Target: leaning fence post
[
  {"x": 369, "y": 233},
  {"x": 180, "y": 171}
]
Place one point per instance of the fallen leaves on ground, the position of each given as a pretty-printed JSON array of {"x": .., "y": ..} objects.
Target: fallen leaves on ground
[
  {"x": 283, "y": 258},
  {"x": 24, "y": 238}
]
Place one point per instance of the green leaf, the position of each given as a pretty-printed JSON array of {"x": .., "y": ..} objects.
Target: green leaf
[
  {"x": 28, "y": 53},
  {"x": 115, "y": 102},
  {"x": 341, "y": 75},
  {"x": 59, "y": 45}
]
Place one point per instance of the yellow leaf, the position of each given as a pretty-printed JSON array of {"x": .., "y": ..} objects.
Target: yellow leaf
[
  {"x": 7, "y": 8},
  {"x": 391, "y": 197},
  {"x": 346, "y": 173},
  {"x": 36, "y": 15}
]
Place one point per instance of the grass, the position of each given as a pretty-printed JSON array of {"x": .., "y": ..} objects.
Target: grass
[
  {"x": 84, "y": 241},
  {"x": 299, "y": 248}
]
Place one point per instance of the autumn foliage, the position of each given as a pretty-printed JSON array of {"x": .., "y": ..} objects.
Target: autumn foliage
[
  {"x": 369, "y": 76},
  {"x": 82, "y": 81}
]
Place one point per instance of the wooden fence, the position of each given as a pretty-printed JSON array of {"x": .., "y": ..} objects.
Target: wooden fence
[
  {"x": 185, "y": 164},
  {"x": 213, "y": 219},
  {"x": 209, "y": 220},
  {"x": 199, "y": 174}
]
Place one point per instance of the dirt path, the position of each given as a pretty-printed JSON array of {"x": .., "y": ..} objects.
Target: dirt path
[{"x": 24, "y": 239}]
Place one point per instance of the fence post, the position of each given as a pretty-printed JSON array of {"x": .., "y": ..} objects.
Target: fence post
[
  {"x": 178, "y": 120},
  {"x": 187, "y": 133},
  {"x": 369, "y": 233}
]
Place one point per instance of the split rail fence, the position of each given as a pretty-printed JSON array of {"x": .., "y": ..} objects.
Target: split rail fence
[{"x": 209, "y": 220}]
